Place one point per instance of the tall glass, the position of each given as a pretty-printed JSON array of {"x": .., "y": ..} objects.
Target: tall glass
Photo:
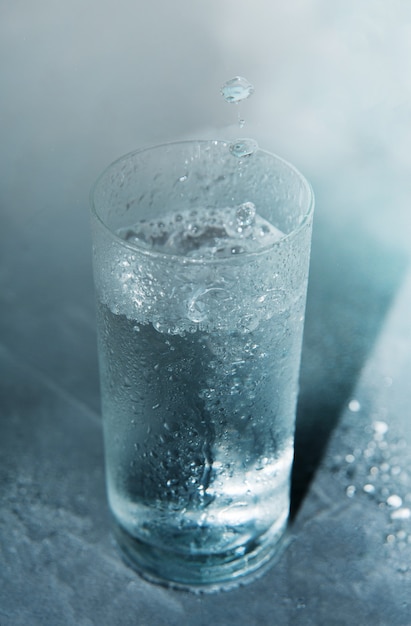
[{"x": 201, "y": 265}]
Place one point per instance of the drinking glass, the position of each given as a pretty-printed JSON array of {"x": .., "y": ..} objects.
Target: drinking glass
[{"x": 201, "y": 265}]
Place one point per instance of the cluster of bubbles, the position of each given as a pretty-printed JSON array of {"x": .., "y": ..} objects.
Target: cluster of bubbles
[
  {"x": 204, "y": 233},
  {"x": 163, "y": 276},
  {"x": 385, "y": 480}
]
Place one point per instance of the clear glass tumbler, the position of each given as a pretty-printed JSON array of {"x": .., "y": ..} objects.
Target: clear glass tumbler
[{"x": 201, "y": 265}]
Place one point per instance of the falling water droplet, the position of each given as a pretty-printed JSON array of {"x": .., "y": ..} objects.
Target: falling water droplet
[
  {"x": 237, "y": 89},
  {"x": 243, "y": 147}
]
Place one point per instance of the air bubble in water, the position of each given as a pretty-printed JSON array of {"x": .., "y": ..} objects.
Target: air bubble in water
[
  {"x": 243, "y": 147},
  {"x": 245, "y": 214},
  {"x": 237, "y": 89}
]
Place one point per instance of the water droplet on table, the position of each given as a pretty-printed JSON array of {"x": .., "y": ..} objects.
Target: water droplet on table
[
  {"x": 394, "y": 501},
  {"x": 380, "y": 428}
]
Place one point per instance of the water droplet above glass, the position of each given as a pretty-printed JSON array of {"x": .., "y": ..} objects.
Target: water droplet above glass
[{"x": 237, "y": 89}]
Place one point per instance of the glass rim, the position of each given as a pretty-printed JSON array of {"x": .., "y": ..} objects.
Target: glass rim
[{"x": 180, "y": 258}]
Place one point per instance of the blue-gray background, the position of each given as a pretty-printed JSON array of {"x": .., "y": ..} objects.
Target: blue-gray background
[{"x": 83, "y": 82}]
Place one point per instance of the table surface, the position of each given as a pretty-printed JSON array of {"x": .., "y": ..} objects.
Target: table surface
[{"x": 349, "y": 556}]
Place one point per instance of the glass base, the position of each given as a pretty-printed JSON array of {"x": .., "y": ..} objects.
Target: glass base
[{"x": 204, "y": 573}]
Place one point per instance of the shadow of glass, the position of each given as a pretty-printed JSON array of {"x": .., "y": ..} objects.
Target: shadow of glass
[{"x": 352, "y": 282}]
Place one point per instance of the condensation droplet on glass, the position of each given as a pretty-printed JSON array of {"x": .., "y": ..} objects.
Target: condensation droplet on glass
[
  {"x": 354, "y": 406},
  {"x": 241, "y": 148},
  {"x": 350, "y": 491},
  {"x": 368, "y": 488},
  {"x": 236, "y": 89},
  {"x": 350, "y": 458},
  {"x": 394, "y": 501},
  {"x": 196, "y": 310}
]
